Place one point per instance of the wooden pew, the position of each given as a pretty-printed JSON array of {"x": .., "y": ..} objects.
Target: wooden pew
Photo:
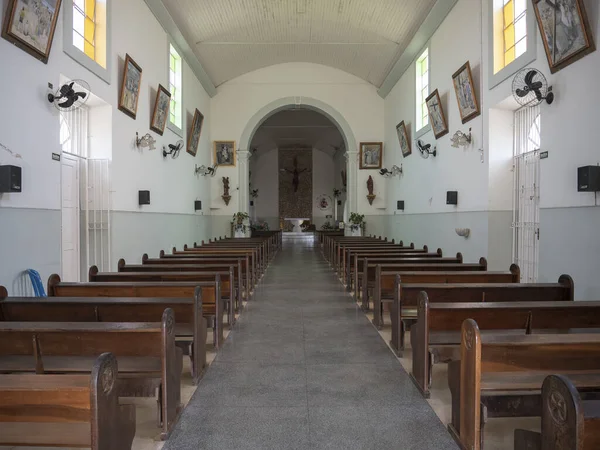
[
  {"x": 334, "y": 251},
  {"x": 346, "y": 252},
  {"x": 258, "y": 264},
  {"x": 435, "y": 337},
  {"x": 66, "y": 410},
  {"x": 227, "y": 282},
  {"x": 568, "y": 420},
  {"x": 258, "y": 251},
  {"x": 193, "y": 258},
  {"x": 193, "y": 265},
  {"x": 212, "y": 306},
  {"x": 389, "y": 265},
  {"x": 443, "y": 287},
  {"x": 190, "y": 327},
  {"x": 148, "y": 357},
  {"x": 501, "y": 375}
]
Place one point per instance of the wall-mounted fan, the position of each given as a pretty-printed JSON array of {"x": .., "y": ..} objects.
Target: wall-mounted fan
[
  {"x": 173, "y": 149},
  {"x": 530, "y": 88},
  {"x": 425, "y": 149},
  {"x": 70, "y": 96}
]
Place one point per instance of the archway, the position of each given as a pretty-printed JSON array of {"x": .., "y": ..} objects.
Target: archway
[{"x": 296, "y": 103}]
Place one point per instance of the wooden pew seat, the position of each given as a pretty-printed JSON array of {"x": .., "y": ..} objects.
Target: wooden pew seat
[{"x": 66, "y": 410}]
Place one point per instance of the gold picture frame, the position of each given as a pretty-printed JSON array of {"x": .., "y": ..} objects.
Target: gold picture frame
[
  {"x": 565, "y": 31},
  {"x": 403, "y": 139},
  {"x": 466, "y": 96},
  {"x": 195, "y": 133},
  {"x": 160, "y": 115},
  {"x": 18, "y": 27},
  {"x": 371, "y": 155},
  {"x": 224, "y": 153},
  {"x": 131, "y": 84},
  {"x": 437, "y": 118}
]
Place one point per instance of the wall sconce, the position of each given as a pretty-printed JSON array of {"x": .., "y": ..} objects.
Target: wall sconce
[
  {"x": 145, "y": 141},
  {"x": 461, "y": 139},
  {"x": 463, "y": 232},
  {"x": 203, "y": 170},
  {"x": 391, "y": 173}
]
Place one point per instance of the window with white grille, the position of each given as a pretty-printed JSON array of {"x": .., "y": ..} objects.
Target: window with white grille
[{"x": 526, "y": 199}]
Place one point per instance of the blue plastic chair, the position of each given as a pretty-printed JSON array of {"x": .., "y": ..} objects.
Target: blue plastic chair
[{"x": 36, "y": 282}]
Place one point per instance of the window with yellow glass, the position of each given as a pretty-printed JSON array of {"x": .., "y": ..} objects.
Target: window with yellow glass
[
  {"x": 514, "y": 33},
  {"x": 89, "y": 29}
]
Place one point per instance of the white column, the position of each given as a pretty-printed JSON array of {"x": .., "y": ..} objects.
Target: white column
[
  {"x": 244, "y": 190},
  {"x": 352, "y": 179}
]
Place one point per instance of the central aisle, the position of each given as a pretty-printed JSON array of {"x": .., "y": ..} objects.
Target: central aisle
[{"x": 304, "y": 369}]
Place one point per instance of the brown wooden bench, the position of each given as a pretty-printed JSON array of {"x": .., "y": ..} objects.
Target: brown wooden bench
[
  {"x": 190, "y": 328},
  {"x": 501, "y": 375},
  {"x": 347, "y": 251},
  {"x": 568, "y": 420},
  {"x": 258, "y": 251},
  {"x": 485, "y": 289},
  {"x": 194, "y": 265},
  {"x": 227, "y": 282},
  {"x": 236, "y": 267},
  {"x": 334, "y": 246},
  {"x": 435, "y": 337},
  {"x": 211, "y": 308},
  {"x": 257, "y": 262},
  {"x": 148, "y": 357},
  {"x": 66, "y": 410}
]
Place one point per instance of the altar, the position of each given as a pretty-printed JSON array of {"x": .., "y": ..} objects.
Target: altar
[{"x": 295, "y": 223}]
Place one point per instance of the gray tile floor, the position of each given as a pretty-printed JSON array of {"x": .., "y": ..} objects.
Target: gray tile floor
[{"x": 304, "y": 369}]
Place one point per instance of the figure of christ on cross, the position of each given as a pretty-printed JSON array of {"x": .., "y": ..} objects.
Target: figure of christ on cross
[{"x": 295, "y": 174}]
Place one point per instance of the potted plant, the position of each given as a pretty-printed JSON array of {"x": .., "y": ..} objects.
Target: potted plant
[
  {"x": 357, "y": 224},
  {"x": 327, "y": 226},
  {"x": 239, "y": 226}
]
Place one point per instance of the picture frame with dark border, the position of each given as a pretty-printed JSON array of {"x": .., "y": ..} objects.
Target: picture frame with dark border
[
  {"x": 195, "y": 132},
  {"x": 466, "y": 96},
  {"x": 224, "y": 153},
  {"x": 160, "y": 115},
  {"x": 437, "y": 118},
  {"x": 403, "y": 139},
  {"x": 16, "y": 23},
  {"x": 371, "y": 155},
  {"x": 131, "y": 84},
  {"x": 575, "y": 36}
]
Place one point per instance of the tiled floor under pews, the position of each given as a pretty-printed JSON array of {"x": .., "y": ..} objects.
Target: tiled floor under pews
[{"x": 304, "y": 369}]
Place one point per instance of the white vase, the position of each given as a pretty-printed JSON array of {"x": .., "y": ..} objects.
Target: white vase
[{"x": 355, "y": 231}]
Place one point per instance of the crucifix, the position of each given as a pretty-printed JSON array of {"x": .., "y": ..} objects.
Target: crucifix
[{"x": 295, "y": 174}]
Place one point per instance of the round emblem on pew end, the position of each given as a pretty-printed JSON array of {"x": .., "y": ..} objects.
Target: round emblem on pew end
[
  {"x": 107, "y": 378},
  {"x": 557, "y": 406},
  {"x": 170, "y": 324},
  {"x": 468, "y": 339}
]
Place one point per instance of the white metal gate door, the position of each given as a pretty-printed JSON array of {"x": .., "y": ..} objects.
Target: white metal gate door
[
  {"x": 526, "y": 199},
  {"x": 97, "y": 214}
]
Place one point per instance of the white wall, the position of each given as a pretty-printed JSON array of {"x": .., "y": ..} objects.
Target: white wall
[
  {"x": 30, "y": 127},
  {"x": 239, "y": 99},
  {"x": 265, "y": 178}
]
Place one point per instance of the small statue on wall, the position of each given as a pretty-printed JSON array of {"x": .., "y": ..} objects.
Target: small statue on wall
[
  {"x": 226, "y": 197},
  {"x": 370, "y": 188}
]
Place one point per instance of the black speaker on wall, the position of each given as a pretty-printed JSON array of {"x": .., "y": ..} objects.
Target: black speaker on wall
[
  {"x": 10, "y": 179},
  {"x": 452, "y": 198},
  {"x": 197, "y": 205},
  {"x": 588, "y": 179},
  {"x": 339, "y": 203},
  {"x": 400, "y": 205},
  {"x": 251, "y": 202},
  {"x": 144, "y": 197}
]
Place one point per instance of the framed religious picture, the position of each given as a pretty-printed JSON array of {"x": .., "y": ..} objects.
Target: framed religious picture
[
  {"x": 465, "y": 93},
  {"x": 195, "y": 131},
  {"x": 161, "y": 110},
  {"x": 371, "y": 155},
  {"x": 30, "y": 25},
  {"x": 565, "y": 31},
  {"x": 224, "y": 153},
  {"x": 437, "y": 119},
  {"x": 130, "y": 87},
  {"x": 403, "y": 139}
]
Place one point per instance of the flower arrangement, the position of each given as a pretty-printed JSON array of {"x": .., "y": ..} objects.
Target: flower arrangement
[
  {"x": 327, "y": 226},
  {"x": 239, "y": 218},
  {"x": 357, "y": 221}
]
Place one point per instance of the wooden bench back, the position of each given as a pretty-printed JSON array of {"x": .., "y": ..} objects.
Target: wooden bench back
[
  {"x": 486, "y": 288},
  {"x": 187, "y": 313},
  {"x": 503, "y": 315},
  {"x": 487, "y": 354},
  {"x": 66, "y": 410}
]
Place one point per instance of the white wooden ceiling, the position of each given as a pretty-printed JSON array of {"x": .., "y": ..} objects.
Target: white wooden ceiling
[{"x": 362, "y": 37}]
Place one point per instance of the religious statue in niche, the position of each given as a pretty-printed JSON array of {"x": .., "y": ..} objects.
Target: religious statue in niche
[
  {"x": 370, "y": 188},
  {"x": 226, "y": 197},
  {"x": 295, "y": 174}
]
